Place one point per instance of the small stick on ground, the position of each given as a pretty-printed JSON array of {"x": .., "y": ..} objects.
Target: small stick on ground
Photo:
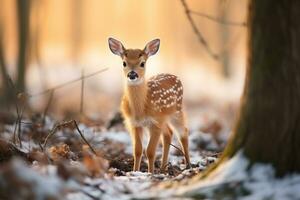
[
  {"x": 181, "y": 152},
  {"x": 88, "y": 194},
  {"x": 67, "y": 124},
  {"x": 83, "y": 138}
]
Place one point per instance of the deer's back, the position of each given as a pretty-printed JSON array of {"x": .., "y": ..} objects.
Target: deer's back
[{"x": 165, "y": 93}]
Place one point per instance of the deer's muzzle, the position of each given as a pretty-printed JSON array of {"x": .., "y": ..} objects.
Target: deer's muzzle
[{"x": 132, "y": 75}]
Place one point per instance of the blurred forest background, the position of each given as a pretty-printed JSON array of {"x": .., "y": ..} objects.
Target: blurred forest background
[
  {"x": 61, "y": 135},
  {"x": 45, "y": 43}
]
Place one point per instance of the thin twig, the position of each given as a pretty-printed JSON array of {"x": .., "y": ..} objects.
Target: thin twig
[
  {"x": 96, "y": 186},
  {"x": 17, "y": 97},
  {"x": 53, "y": 130},
  {"x": 181, "y": 152},
  {"x": 47, "y": 106},
  {"x": 15, "y": 130},
  {"x": 13, "y": 87},
  {"x": 88, "y": 194},
  {"x": 177, "y": 149},
  {"x": 68, "y": 82},
  {"x": 79, "y": 131},
  {"x": 67, "y": 124},
  {"x": 41, "y": 147},
  {"x": 218, "y": 20},
  {"x": 82, "y": 92},
  {"x": 198, "y": 33},
  {"x": 19, "y": 125}
]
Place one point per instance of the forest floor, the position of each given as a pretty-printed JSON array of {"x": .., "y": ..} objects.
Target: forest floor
[
  {"x": 41, "y": 158},
  {"x": 45, "y": 159}
]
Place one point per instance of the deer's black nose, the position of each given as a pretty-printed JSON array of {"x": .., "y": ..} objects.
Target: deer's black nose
[{"x": 132, "y": 75}]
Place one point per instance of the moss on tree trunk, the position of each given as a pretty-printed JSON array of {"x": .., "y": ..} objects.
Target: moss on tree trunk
[{"x": 268, "y": 128}]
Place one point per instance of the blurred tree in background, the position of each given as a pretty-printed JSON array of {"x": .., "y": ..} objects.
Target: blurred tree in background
[
  {"x": 5, "y": 92},
  {"x": 224, "y": 39},
  {"x": 23, "y": 16},
  {"x": 9, "y": 87}
]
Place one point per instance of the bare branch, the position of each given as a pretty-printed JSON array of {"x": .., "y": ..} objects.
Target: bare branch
[
  {"x": 198, "y": 33},
  {"x": 218, "y": 20},
  {"x": 68, "y": 82}
]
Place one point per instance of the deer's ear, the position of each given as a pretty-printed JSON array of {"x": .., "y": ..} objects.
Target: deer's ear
[
  {"x": 152, "y": 47},
  {"x": 116, "y": 46}
]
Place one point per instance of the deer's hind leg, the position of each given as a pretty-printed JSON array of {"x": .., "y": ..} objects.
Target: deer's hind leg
[
  {"x": 166, "y": 139},
  {"x": 179, "y": 125}
]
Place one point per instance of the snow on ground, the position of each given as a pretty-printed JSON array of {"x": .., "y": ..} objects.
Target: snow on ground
[
  {"x": 117, "y": 182},
  {"x": 33, "y": 185},
  {"x": 75, "y": 176},
  {"x": 258, "y": 182}
]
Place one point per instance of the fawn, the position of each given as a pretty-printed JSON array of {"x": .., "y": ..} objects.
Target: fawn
[{"x": 155, "y": 104}]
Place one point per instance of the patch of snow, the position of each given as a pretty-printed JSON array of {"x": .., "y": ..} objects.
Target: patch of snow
[
  {"x": 122, "y": 137},
  {"x": 138, "y": 173},
  {"x": 123, "y": 187},
  {"x": 196, "y": 138},
  {"x": 27, "y": 146},
  {"x": 259, "y": 181},
  {"x": 43, "y": 186}
]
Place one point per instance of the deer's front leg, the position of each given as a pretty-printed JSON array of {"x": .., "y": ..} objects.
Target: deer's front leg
[
  {"x": 137, "y": 134},
  {"x": 154, "y": 138}
]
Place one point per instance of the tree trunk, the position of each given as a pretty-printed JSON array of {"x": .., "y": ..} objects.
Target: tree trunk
[
  {"x": 224, "y": 38},
  {"x": 2, "y": 61},
  {"x": 76, "y": 30},
  {"x": 23, "y": 11},
  {"x": 268, "y": 129},
  {"x": 6, "y": 93}
]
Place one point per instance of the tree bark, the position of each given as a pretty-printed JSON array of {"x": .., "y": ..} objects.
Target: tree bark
[{"x": 268, "y": 129}]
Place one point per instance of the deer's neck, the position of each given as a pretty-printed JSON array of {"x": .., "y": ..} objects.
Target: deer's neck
[{"x": 137, "y": 97}]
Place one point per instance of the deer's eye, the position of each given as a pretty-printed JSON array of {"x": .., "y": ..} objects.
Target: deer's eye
[
  {"x": 124, "y": 64},
  {"x": 142, "y": 64}
]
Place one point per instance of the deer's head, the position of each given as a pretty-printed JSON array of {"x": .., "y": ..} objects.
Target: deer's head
[{"x": 134, "y": 60}]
